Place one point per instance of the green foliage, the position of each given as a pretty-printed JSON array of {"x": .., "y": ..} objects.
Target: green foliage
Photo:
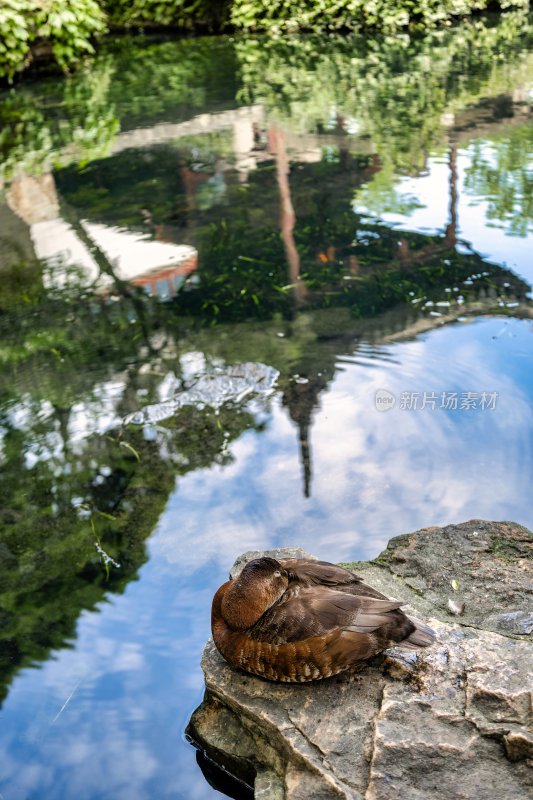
[
  {"x": 69, "y": 26},
  {"x": 54, "y": 122},
  {"x": 244, "y": 272},
  {"x": 73, "y": 522},
  {"x": 185, "y": 14},
  {"x": 61, "y": 495},
  {"x": 79, "y": 125},
  {"x": 64, "y": 27},
  {"x": 498, "y": 176},
  {"x": 62, "y": 347},
  {"x": 379, "y": 196},
  {"x": 170, "y": 80},
  {"x": 15, "y": 39},
  {"x": 387, "y": 15},
  {"x": 500, "y": 172},
  {"x": 394, "y": 88}
]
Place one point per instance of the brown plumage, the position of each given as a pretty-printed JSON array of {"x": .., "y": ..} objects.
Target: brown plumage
[{"x": 295, "y": 620}]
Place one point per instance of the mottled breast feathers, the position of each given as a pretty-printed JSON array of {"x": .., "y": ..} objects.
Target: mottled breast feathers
[{"x": 295, "y": 620}]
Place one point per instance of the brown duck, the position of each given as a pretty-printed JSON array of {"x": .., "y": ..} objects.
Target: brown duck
[{"x": 295, "y": 620}]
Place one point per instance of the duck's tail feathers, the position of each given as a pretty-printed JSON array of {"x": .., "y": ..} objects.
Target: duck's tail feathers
[{"x": 422, "y": 636}]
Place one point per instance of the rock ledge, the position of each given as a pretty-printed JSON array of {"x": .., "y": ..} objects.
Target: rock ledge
[{"x": 450, "y": 722}]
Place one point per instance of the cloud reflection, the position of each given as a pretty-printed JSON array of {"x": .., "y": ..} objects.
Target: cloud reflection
[
  {"x": 104, "y": 719},
  {"x": 375, "y": 474},
  {"x": 126, "y": 686}
]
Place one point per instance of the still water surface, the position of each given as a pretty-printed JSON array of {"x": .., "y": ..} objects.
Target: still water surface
[{"x": 215, "y": 255}]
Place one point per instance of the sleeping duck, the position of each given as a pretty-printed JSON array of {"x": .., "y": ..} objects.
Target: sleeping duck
[{"x": 295, "y": 620}]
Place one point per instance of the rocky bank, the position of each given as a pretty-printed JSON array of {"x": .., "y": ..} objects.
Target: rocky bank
[{"x": 453, "y": 721}]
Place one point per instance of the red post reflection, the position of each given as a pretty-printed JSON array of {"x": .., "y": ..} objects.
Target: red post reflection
[{"x": 277, "y": 145}]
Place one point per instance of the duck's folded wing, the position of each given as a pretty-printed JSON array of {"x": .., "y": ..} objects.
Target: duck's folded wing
[
  {"x": 312, "y": 573},
  {"x": 318, "y": 610},
  {"x": 322, "y": 573}
]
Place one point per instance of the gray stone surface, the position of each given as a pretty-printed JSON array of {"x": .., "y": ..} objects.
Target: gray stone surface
[
  {"x": 450, "y": 722},
  {"x": 491, "y": 563}
]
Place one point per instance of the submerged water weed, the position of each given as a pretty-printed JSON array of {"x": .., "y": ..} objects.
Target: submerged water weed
[
  {"x": 127, "y": 445},
  {"x": 92, "y": 513}
]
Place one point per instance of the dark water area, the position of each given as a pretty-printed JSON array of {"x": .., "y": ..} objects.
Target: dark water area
[{"x": 253, "y": 294}]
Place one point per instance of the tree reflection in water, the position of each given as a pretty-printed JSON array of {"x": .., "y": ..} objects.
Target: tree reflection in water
[{"x": 252, "y": 157}]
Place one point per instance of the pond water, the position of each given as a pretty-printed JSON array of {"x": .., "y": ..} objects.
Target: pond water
[{"x": 253, "y": 294}]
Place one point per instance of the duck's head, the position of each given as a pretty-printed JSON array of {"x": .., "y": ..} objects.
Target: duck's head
[{"x": 260, "y": 584}]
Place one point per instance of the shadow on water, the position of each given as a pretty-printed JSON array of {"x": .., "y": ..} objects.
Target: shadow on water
[
  {"x": 221, "y": 780},
  {"x": 237, "y": 215}
]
